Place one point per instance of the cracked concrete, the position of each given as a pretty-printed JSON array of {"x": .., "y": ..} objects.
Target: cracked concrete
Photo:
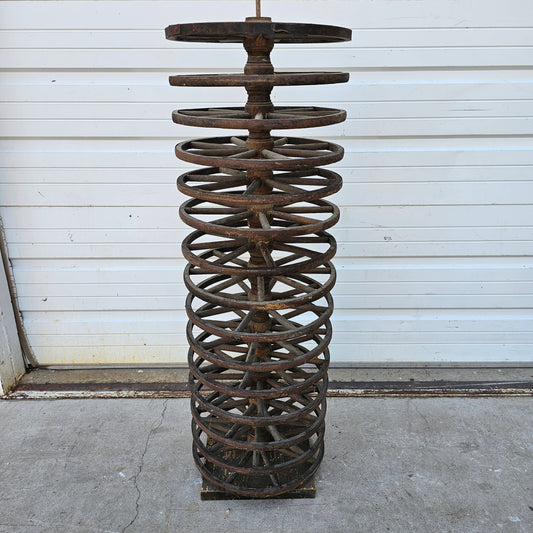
[
  {"x": 417, "y": 465},
  {"x": 141, "y": 464}
]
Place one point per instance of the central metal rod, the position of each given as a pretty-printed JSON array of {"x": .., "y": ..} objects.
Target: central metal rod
[{"x": 257, "y": 8}]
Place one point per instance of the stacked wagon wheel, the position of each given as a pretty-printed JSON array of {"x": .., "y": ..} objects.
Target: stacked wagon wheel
[{"x": 259, "y": 271}]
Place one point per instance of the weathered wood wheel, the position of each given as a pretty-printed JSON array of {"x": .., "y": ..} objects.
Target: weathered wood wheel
[
  {"x": 278, "y": 118},
  {"x": 259, "y": 273},
  {"x": 280, "y": 153}
]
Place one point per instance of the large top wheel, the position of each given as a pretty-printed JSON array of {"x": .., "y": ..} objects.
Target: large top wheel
[{"x": 237, "y": 32}]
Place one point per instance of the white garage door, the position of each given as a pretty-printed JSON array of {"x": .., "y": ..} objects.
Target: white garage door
[{"x": 435, "y": 242}]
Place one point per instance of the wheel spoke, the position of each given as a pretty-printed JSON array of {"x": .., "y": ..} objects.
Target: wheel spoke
[
  {"x": 283, "y": 187},
  {"x": 265, "y": 252},
  {"x": 263, "y": 219},
  {"x": 227, "y": 221},
  {"x": 280, "y": 319},
  {"x": 248, "y": 154},
  {"x": 247, "y": 319},
  {"x": 217, "y": 245},
  {"x": 297, "y": 152},
  {"x": 219, "y": 151},
  {"x": 268, "y": 154},
  {"x": 238, "y": 142},
  {"x": 252, "y": 187},
  {"x": 235, "y": 260},
  {"x": 260, "y": 289},
  {"x": 292, "y": 218},
  {"x": 295, "y": 284},
  {"x": 296, "y": 249},
  {"x": 226, "y": 258}
]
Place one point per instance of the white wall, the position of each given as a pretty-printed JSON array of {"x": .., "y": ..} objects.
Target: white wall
[{"x": 435, "y": 242}]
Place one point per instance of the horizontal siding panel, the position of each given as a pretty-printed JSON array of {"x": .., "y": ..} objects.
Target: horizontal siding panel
[
  {"x": 365, "y": 153},
  {"x": 362, "y": 216},
  {"x": 101, "y": 354},
  {"x": 89, "y": 303},
  {"x": 147, "y": 39},
  {"x": 409, "y": 194},
  {"x": 406, "y": 86},
  {"x": 212, "y": 59},
  {"x": 439, "y": 353},
  {"x": 369, "y": 320},
  {"x": 358, "y": 127},
  {"x": 357, "y": 263},
  {"x": 156, "y": 14},
  {"x": 396, "y": 109},
  {"x": 345, "y": 250},
  {"x": 358, "y": 235},
  {"x": 348, "y": 353},
  {"x": 121, "y": 38},
  {"x": 390, "y": 301},
  {"x": 392, "y": 271},
  {"x": 130, "y": 340},
  {"x": 165, "y": 340},
  {"x": 343, "y": 289},
  {"x": 75, "y": 176}
]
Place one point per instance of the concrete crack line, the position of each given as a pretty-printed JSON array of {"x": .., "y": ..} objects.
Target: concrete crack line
[
  {"x": 155, "y": 427},
  {"x": 424, "y": 417}
]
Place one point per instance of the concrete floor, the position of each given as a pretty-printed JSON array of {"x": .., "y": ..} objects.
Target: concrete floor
[{"x": 399, "y": 465}]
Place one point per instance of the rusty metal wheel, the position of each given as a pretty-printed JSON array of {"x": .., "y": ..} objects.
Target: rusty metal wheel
[
  {"x": 278, "y": 118},
  {"x": 232, "y": 256},
  {"x": 285, "y": 291},
  {"x": 277, "y": 222},
  {"x": 258, "y": 80},
  {"x": 238, "y": 32},
  {"x": 233, "y": 188},
  {"x": 282, "y": 355},
  {"x": 286, "y": 153}
]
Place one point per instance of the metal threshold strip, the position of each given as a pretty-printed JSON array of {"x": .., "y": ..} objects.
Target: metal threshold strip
[{"x": 354, "y": 382}]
